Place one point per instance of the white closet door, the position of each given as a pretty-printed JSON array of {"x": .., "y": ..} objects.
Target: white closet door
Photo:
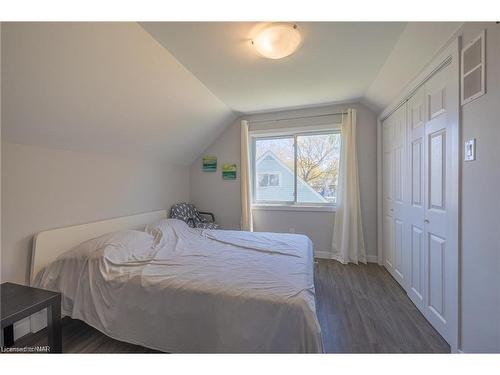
[
  {"x": 420, "y": 196},
  {"x": 399, "y": 194},
  {"x": 439, "y": 232},
  {"x": 387, "y": 191},
  {"x": 416, "y": 187},
  {"x": 394, "y": 195}
]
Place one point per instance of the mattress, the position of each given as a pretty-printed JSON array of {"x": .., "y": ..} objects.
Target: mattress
[{"x": 201, "y": 292}]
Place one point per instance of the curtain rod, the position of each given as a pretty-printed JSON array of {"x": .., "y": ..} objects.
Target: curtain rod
[{"x": 298, "y": 118}]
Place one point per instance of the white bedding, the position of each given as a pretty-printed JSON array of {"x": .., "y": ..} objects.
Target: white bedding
[{"x": 199, "y": 292}]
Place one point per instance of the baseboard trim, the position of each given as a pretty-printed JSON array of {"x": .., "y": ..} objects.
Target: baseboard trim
[
  {"x": 328, "y": 255},
  {"x": 323, "y": 255}
]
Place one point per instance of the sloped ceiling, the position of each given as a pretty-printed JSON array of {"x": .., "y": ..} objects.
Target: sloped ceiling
[
  {"x": 168, "y": 92},
  {"x": 106, "y": 88},
  {"x": 418, "y": 44},
  {"x": 337, "y": 61}
]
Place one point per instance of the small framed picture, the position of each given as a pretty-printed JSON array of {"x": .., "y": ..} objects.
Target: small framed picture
[
  {"x": 209, "y": 163},
  {"x": 229, "y": 172}
]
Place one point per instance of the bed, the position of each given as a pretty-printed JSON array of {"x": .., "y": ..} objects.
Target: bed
[{"x": 192, "y": 291}]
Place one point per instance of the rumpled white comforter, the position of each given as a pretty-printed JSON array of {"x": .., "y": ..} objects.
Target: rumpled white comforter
[{"x": 202, "y": 291}]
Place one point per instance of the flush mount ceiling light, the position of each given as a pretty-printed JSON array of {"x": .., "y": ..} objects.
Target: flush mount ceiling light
[{"x": 277, "y": 41}]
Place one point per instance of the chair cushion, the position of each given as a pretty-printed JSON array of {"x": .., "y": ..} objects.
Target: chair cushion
[
  {"x": 198, "y": 217},
  {"x": 182, "y": 211},
  {"x": 186, "y": 211}
]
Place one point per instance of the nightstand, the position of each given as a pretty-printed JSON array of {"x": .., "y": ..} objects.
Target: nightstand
[{"x": 19, "y": 302}]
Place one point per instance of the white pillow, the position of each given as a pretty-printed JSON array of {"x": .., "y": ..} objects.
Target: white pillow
[
  {"x": 165, "y": 230},
  {"x": 118, "y": 247}
]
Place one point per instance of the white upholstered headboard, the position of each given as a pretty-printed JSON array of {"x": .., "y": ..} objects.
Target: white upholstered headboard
[{"x": 48, "y": 245}]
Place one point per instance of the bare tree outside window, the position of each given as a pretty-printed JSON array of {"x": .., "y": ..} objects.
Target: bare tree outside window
[{"x": 318, "y": 162}]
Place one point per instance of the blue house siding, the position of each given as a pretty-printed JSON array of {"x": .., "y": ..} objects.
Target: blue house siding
[{"x": 269, "y": 163}]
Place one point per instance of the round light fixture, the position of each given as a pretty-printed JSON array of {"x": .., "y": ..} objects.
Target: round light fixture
[{"x": 277, "y": 41}]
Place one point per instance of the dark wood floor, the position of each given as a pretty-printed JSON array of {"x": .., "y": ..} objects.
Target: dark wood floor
[
  {"x": 78, "y": 337},
  {"x": 361, "y": 309}
]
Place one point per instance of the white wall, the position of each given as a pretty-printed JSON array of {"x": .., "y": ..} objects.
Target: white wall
[
  {"x": 209, "y": 192},
  {"x": 480, "y": 271},
  {"x": 318, "y": 226},
  {"x": 46, "y": 188}
]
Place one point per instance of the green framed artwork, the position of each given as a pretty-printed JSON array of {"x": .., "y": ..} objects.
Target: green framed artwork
[
  {"x": 209, "y": 163},
  {"x": 229, "y": 171}
]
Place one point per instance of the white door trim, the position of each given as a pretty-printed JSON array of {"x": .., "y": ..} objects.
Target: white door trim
[{"x": 448, "y": 57}]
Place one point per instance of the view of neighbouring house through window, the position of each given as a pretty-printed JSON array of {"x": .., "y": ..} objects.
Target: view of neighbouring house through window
[
  {"x": 269, "y": 179},
  {"x": 316, "y": 160}
]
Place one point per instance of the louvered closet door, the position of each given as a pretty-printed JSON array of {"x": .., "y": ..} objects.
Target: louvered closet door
[
  {"x": 416, "y": 181},
  {"x": 439, "y": 242}
]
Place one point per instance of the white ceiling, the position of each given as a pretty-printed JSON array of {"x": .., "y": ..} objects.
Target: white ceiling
[
  {"x": 336, "y": 62},
  {"x": 104, "y": 87}
]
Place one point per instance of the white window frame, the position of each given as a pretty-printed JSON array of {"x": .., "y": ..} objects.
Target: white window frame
[{"x": 287, "y": 133}]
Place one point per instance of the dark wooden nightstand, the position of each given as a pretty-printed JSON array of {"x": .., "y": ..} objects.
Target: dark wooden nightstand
[{"x": 19, "y": 302}]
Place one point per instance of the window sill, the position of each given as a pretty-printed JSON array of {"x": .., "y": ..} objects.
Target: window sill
[{"x": 282, "y": 207}]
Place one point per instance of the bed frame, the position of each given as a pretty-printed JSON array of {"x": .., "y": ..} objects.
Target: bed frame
[{"x": 48, "y": 245}]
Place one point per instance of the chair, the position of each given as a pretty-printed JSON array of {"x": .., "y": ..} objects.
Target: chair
[{"x": 190, "y": 214}]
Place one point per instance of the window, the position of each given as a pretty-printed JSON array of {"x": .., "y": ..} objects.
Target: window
[
  {"x": 296, "y": 169},
  {"x": 269, "y": 179}
]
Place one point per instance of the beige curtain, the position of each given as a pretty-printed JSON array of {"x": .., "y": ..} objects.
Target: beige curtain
[
  {"x": 348, "y": 244},
  {"x": 246, "y": 202}
]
